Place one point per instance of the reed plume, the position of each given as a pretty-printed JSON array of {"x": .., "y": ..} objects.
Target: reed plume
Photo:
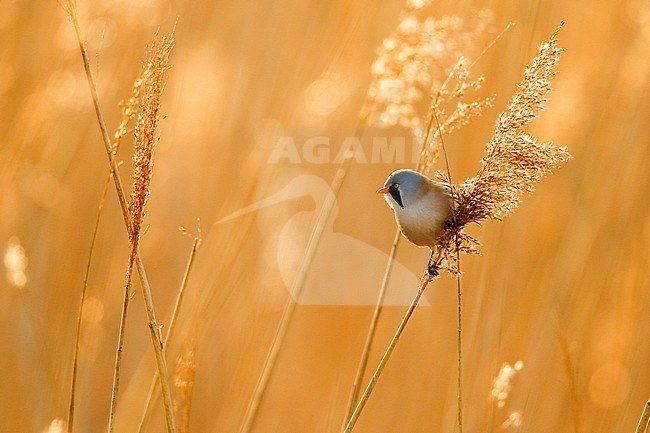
[
  {"x": 129, "y": 109},
  {"x": 145, "y": 140},
  {"x": 411, "y": 62},
  {"x": 451, "y": 109},
  {"x": 512, "y": 163},
  {"x": 145, "y": 131}
]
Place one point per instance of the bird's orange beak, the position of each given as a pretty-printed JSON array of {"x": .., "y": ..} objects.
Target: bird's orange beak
[{"x": 383, "y": 191}]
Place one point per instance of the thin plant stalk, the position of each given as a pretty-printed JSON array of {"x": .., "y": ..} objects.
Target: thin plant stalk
[
  {"x": 77, "y": 344},
  {"x": 459, "y": 332},
  {"x": 426, "y": 279},
  {"x": 288, "y": 310},
  {"x": 154, "y": 328},
  {"x": 120, "y": 345},
  {"x": 128, "y": 115},
  {"x": 459, "y": 348},
  {"x": 642, "y": 427},
  {"x": 170, "y": 333},
  {"x": 372, "y": 330}
]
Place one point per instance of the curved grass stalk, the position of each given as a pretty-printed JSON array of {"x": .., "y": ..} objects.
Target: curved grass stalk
[{"x": 77, "y": 343}]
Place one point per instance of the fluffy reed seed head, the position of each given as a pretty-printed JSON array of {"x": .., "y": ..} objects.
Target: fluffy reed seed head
[
  {"x": 130, "y": 107},
  {"x": 145, "y": 133},
  {"x": 411, "y": 61},
  {"x": 450, "y": 110},
  {"x": 513, "y": 161}
]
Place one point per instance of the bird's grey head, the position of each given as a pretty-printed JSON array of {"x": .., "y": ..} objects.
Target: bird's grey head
[{"x": 403, "y": 187}]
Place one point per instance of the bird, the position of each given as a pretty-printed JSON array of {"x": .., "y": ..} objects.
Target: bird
[{"x": 423, "y": 208}]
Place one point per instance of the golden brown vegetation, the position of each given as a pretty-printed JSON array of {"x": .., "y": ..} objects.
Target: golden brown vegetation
[{"x": 563, "y": 286}]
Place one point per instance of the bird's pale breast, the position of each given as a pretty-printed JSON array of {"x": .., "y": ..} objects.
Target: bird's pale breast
[{"x": 422, "y": 222}]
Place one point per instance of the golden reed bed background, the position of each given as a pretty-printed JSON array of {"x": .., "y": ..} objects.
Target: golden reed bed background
[{"x": 563, "y": 284}]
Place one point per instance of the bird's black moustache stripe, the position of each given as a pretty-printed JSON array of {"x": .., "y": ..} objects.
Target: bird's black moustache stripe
[{"x": 394, "y": 192}]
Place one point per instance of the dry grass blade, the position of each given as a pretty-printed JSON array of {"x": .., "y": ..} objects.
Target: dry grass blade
[
  {"x": 570, "y": 369},
  {"x": 69, "y": 6},
  {"x": 372, "y": 330}
]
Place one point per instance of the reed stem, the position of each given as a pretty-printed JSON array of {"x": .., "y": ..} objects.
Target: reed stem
[
  {"x": 372, "y": 330},
  {"x": 642, "y": 427},
  {"x": 426, "y": 279},
  {"x": 77, "y": 344},
  {"x": 120, "y": 346}
]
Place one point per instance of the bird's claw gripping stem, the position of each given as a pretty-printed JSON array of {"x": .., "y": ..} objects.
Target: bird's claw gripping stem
[{"x": 432, "y": 269}]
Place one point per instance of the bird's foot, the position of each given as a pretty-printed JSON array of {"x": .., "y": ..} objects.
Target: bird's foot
[{"x": 432, "y": 270}]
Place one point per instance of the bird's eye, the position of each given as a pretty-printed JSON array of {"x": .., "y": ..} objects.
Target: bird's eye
[{"x": 396, "y": 185}]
